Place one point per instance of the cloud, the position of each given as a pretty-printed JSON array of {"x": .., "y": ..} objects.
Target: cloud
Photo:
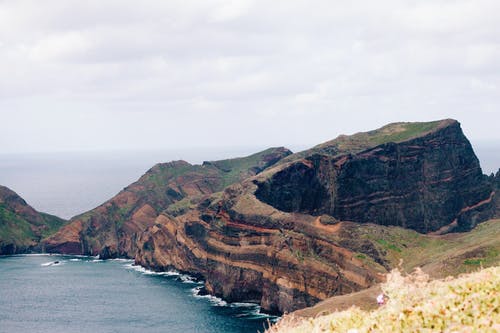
[{"x": 317, "y": 68}]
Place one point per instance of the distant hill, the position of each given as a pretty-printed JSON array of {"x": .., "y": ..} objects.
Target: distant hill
[
  {"x": 113, "y": 228},
  {"x": 21, "y": 226}
]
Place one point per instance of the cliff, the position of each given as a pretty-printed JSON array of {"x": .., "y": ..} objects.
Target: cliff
[
  {"x": 282, "y": 238},
  {"x": 21, "y": 226},
  {"x": 111, "y": 230},
  {"x": 288, "y": 230},
  {"x": 495, "y": 181},
  {"x": 389, "y": 177}
]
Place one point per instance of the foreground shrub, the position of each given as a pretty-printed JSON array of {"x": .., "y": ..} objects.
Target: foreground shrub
[{"x": 469, "y": 303}]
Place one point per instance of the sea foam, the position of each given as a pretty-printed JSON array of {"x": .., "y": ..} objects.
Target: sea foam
[{"x": 247, "y": 310}]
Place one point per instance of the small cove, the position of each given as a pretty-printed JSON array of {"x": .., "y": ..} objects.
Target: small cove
[{"x": 56, "y": 293}]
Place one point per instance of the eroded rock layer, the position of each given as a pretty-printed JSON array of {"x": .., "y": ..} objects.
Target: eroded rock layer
[
  {"x": 279, "y": 228},
  {"x": 111, "y": 229},
  {"x": 278, "y": 237},
  {"x": 282, "y": 261},
  {"x": 424, "y": 183}
]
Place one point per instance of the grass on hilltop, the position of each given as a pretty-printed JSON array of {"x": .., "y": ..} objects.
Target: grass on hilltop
[{"x": 395, "y": 132}]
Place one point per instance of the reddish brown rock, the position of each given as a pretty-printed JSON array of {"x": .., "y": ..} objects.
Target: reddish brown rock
[
  {"x": 275, "y": 238},
  {"x": 282, "y": 233},
  {"x": 111, "y": 230}
]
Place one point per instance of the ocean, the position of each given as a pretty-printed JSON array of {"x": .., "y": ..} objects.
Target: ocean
[{"x": 60, "y": 294}]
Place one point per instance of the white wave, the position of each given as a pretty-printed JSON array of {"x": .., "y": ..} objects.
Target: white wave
[
  {"x": 187, "y": 278},
  {"x": 75, "y": 259},
  {"x": 252, "y": 310},
  {"x": 242, "y": 305},
  {"x": 146, "y": 271},
  {"x": 216, "y": 301},
  {"x": 122, "y": 260},
  {"x": 51, "y": 263}
]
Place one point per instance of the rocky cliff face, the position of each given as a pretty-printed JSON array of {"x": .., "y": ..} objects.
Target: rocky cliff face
[
  {"x": 112, "y": 229},
  {"x": 423, "y": 183},
  {"x": 280, "y": 237},
  {"x": 249, "y": 251},
  {"x": 283, "y": 230},
  {"x": 495, "y": 181},
  {"x": 21, "y": 226}
]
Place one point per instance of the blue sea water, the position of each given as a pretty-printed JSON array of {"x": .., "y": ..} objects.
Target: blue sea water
[{"x": 83, "y": 294}]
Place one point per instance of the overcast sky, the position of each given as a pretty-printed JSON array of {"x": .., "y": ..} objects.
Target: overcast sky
[{"x": 86, "y": 75}]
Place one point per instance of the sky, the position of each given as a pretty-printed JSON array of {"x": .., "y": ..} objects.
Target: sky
[{"x": 129, "y": 75}]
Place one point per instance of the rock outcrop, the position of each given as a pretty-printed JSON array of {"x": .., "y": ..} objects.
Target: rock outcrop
[
  {"x": 21, "y": 226},
  {"x": 111, "y": 230},
  {"x": 281, "y": 237},
  {"x": 422, "y": 183},
  {"x": 495, "y": 181},
  {"x": 282, "y": 229}
]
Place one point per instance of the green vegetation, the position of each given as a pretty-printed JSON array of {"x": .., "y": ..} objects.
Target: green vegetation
[
  {"x": 182, "y": 206},
  {"x": 476, "y": 262},
  {"x": 119, "y": 214},
  {"x": 388, "y": 245},
  {"x": 470, "y": 303},
  {"x": 160, "y": 175},
  {"x": 52, "y": 224},
  {"x": 25, "y": 231},
  {"x": 400, "y": 132},
  {"x": 396, "y": 132},
  {"x": 216, "y": 175},
  {"x": 236, "y": 169},
  {"x": 14, "y": 229},
  {"x": 449, "y": 254}
]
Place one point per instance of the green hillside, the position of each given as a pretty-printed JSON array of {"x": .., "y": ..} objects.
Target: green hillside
[{"x": 22, "y": 227}]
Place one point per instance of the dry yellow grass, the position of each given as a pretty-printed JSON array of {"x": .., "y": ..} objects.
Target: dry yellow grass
[{"x": 469, "y": 303}]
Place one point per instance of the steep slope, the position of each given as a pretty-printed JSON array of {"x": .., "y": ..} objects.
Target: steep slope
[
  {"x": 495, "y": 181},
  {"x": 111, "y": 229},
  {"x": 392, "y": 176},
  {"x": 21, "y": 226},
  {"x": 279, "y": 238}
]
